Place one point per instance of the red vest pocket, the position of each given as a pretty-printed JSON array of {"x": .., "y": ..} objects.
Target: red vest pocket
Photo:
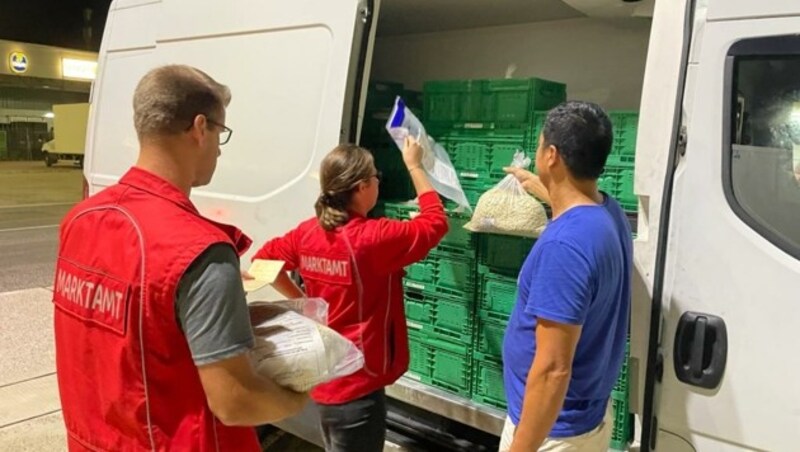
[{"x": 92, "y": 296}]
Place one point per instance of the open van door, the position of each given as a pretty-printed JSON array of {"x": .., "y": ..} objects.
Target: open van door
[
  {"x": 295, "y": 70},
  {"x": 725, "y": 375}
]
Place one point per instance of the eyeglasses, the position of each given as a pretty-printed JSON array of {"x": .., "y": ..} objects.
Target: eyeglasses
[
  {"x": 226, "y": 133},
  {"x": 378, "y": 175}
]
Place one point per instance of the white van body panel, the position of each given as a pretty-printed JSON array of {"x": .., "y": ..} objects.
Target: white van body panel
[
  {"x": 717, "y": 264},
  {"x": 287, "y": 66}
]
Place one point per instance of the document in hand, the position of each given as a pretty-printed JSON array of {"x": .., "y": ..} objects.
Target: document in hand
[{"x": 263, "y": 272}]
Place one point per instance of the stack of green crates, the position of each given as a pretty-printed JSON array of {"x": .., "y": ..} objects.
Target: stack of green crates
[
  {"x": 482, "y": 123},
  {"x": 622, "y": 434},
  {"x": 500, "y": 259},
  {"x": 617, "y": 180},
  {"x": 440, "y": 305}
]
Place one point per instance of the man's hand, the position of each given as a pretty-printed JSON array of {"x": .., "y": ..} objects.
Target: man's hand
[{"x": 530, "y": 182}]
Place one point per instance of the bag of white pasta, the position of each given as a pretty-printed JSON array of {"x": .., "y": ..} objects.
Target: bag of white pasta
[
  {"x": 298, "y": 352},
  {"x": 508, "y": 209}
]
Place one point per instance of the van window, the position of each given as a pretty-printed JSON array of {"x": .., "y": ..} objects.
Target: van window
[{"x": 762, "y": 149}]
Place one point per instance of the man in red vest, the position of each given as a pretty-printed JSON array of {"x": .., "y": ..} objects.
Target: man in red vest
[{"x": 151, "y": 321}]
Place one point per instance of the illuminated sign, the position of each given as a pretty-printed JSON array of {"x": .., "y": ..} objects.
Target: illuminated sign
[
  {"x": 81, "y": 69},
  {"x": 18, "y": 62}
]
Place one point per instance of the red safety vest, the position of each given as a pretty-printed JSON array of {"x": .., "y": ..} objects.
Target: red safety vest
[
  {"x": 358, "y": 270},
  {"x": 125, "y": 373}
]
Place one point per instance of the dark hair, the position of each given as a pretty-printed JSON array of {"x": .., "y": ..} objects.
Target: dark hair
[
  {"x": 582, "y": 134},
  {"x": 340, "y": 172},
  {"x": 168, "y": 97}
]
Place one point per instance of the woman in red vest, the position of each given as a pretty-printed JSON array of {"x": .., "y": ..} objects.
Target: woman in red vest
[{"x": 356, "y": 264}]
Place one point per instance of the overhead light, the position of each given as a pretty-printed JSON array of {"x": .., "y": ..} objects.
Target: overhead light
[
  {"x": 80, "y": 69},
  {"x": 49, "y": 115}
]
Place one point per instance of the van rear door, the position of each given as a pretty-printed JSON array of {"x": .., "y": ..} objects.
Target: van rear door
[
  {"x": 731, "y": 278},
  {"x": 294, "y": 68}
]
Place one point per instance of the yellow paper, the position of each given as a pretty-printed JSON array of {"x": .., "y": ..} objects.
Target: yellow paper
[
  {"x": 251, "y": 285},
  {"x": 263, "y": 272}
]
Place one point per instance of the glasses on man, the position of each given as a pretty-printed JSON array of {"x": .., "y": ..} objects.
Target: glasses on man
[{"x": 226, "y": 133}]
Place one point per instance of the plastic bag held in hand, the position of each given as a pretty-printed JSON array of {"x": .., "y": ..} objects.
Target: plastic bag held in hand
[
  {"x": 508, "y": 209},
  {"x": 435, "y": 160},
  {"x": 296, "y": 351}
]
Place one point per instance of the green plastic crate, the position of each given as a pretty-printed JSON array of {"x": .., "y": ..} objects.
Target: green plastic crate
[
  {"x": 537, "y": 125},
  {"x": 399, "y": 210},
  {"x": 488, "y": 104},
  {"x": 418, "y": 311},
  {"x": 419, "y": 359},
  {"x": 607, "y": 184},
  {"x": 423, "y": 272},
  {"x": 623, "y": 381},
  {"x": 498, "y": 293},
  {"x": 439, "y": 318},
  {"x": 449, "y": 102},
  {"x": 625, "y": 194},
  {"x": 616, "y": 159},
  {"x": 514, "y": 101},
  {"x": 487, "y": 386},
  {"x": 484, "y": 161},
  {"x": 458, "y": 242},
  {"x": 489, "y": 335},
  {"x": 503, "y": 254},
  {"x": 455, "y": 273},
  {"x": 443, "y": 275},
  {"x": 440, "y": 364},
  {"x": 622, "y": 433},
  {"x": 624, "y": 119},
  {"x": 473, "y": 189}
]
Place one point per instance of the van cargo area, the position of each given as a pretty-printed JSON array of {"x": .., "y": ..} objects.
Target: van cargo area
[{"x": 482, "y": 81}]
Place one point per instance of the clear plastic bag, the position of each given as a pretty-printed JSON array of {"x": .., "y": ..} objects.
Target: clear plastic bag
[
  {"x": 435, "y": 161},
  {"x": 296, "y": 351},
  {"x": 315, "y": 309},
  {"x": 508, "y": 209}
]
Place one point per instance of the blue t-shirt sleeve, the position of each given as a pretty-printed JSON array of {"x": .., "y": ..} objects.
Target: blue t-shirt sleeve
[{"x": 560, "y": 286}]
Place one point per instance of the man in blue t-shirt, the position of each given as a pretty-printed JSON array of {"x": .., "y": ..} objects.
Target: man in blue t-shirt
[{"x": 565, "y": 340}]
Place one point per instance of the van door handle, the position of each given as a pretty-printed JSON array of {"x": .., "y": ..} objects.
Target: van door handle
[{"x": 701, "y": 349}]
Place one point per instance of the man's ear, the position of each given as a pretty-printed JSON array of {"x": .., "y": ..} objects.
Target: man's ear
[
  {"x": 199, "y": 127},
  {"x": 551, "y": 156}
]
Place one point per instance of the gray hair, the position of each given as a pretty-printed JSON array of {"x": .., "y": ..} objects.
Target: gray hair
[{"x": 168, "y": 98}]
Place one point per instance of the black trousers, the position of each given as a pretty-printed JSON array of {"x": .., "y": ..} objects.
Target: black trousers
[{"x": 357, "y": 426}]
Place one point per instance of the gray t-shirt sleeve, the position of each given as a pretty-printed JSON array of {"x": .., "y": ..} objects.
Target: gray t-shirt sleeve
[{"x": 211, "y": 307}]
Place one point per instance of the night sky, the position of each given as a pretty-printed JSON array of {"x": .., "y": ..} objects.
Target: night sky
[{"x": 52, "y": 22}]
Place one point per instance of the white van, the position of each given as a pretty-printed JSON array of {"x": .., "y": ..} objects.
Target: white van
[{"x": 717, "y": 84}]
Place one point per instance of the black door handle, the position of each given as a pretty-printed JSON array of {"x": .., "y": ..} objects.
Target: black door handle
[{"x": 701, "y": 349}]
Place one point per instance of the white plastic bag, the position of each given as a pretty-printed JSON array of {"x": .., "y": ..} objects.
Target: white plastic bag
[
  {"x": 508, "y": 209},
  {"x": 296, "y": 351},
  {"x": 435, "y": 160},
  {"x": 315, "y": 309}
]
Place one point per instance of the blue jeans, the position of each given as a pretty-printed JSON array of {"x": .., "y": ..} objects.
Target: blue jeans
[{"x": 356, "y": 426}]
